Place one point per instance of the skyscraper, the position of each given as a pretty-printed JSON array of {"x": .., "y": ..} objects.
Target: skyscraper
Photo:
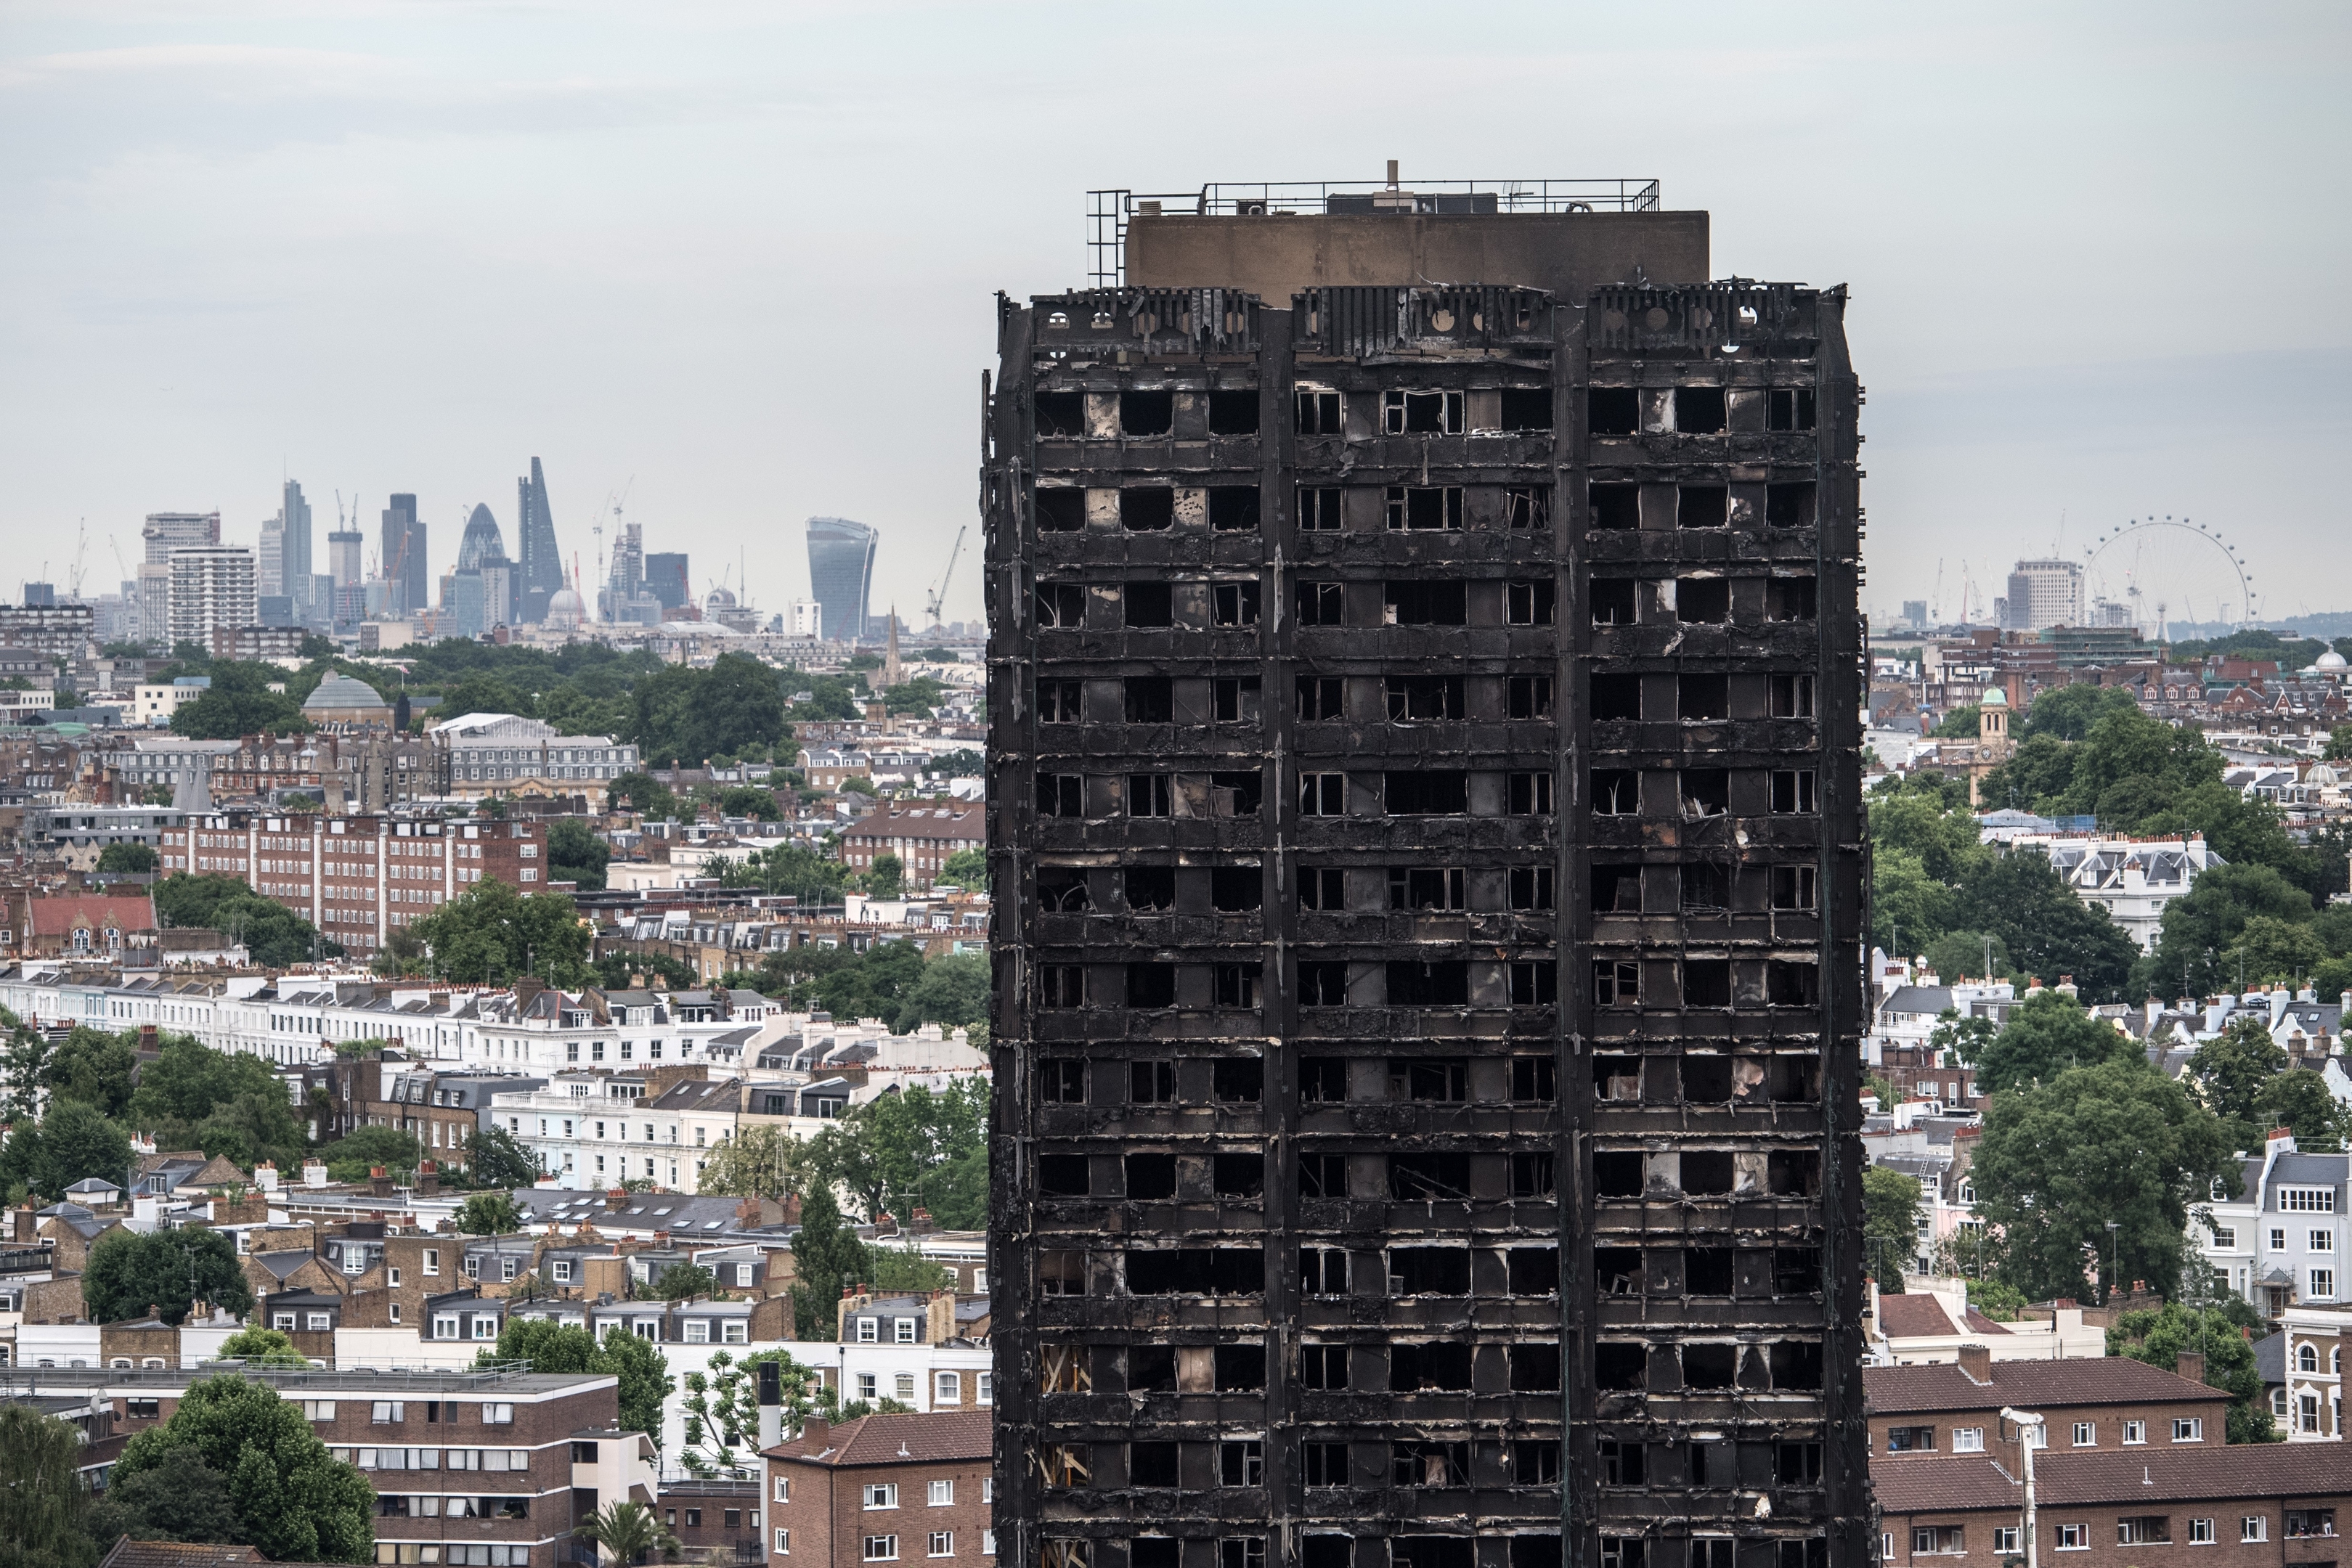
[
  {"x": 294, "y": 527},
  {"x": 665, "y": 578},
  {"x": 481, "y": 540},
  {"x": 1423, "y": 815},
  {"x": 343, "y": 557},
  {"x": 404, "y": 558},
  {"x": 167, "y": 531},
  {"x": 2044, "y": 593},
  {"x": 540, "y": 574},
  {"x": 212, "y": 590},
  {"x": 478, "y": 587},
  {"x": 841, "y": 572}
]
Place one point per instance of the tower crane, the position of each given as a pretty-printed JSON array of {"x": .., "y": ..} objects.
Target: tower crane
[
  {"x": 937, "y": 596},
  {"x": 81, "y": 548}
]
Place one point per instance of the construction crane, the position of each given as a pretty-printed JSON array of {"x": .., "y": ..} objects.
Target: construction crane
[
  {"x": 81, "y": 548},
  {"x": 937, "y": 596}
]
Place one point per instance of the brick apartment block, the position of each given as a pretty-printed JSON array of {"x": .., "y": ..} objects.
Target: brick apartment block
[
  {"x": 1930, "y": 1413},
  {"x": 884, "y": 1489}
]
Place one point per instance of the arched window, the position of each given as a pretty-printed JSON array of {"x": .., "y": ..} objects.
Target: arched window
[
  {"x": 2306, "y": 1358},
  {"x": 82, "y": 939}
]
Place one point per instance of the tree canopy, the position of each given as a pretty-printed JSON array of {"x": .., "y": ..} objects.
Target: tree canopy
[
  {"x": 826, "y": 1255},
  {"x": 490, "y": 934},
  {"x": 129, "y": 1272},
  {"x": 239, "y": 703},
  {"x": 2048, "y": 1033},
  {"x": 274, "y": 934},
  {"x": 575, "y": 853},
  {"x": 2160, "y": 1337},
  {"x": 1890, "y": 1225},
  {"x": 914, "y": 1149},
  {"x": 293, "y": 1499},
  {"x": 73, "y": 1140},
  {"x": 549, "y": 1347},
  {"x": 682, "y": 715},
  {"x": 44, "y": 1501}
]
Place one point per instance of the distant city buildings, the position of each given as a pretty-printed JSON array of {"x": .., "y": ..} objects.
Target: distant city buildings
[
  {"x": 841, "y": 573},
  {"x": 2044, "y": 593},
  {"x": 403, "y": 557},
  {"x": 539, "y": 558},
  {"x": 211, "y": 587},
  {"x": 667, "y": 580}
]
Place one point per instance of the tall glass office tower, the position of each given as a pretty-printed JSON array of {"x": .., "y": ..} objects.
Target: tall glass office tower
[
  {"x": 841, "y": 570},
  {"x": 541, "y": 563}
]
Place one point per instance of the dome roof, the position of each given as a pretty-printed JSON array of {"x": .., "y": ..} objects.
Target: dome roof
[
  {"x": 564, "y": 608},
  {"x": 2331, "y": 661},
  {"x": 719, "y": 599},
  {"x": 1994, "y": 698},
  {"x": 342, "y": 692}
]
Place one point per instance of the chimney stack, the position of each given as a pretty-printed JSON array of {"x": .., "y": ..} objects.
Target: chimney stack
[
  {"x": 1976, "y": 1362},
  {"x": 2190, "y": 1365}
]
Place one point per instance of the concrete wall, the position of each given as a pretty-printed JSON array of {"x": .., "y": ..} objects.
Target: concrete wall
[{"x": 1570, "y": 253}]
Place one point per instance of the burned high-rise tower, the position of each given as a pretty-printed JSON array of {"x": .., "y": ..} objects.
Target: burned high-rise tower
[{"x": 1426, "y": 840}]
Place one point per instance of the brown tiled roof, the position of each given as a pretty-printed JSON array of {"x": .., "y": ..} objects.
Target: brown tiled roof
[
  {"x": 2182, "y": 1474},
  {"x": 130, "y": 1553},
  {"x": 2082, "y": 1380},
  {"x": 58, "y": 914},
  {"x": 924, "y": 1437},
  {"x": 1978, "y": 1323},
  {"x": 1913, "y": 1316},
  {"x": 1944, "y": 1485}
]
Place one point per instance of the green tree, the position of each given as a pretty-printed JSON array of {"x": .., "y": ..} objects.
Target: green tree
[
  {"x": 226, "y": 1102},
  {"x": 2047, "y": 1034},
  {"x": 826, "y": 1255},
  {"x": 2273, "y": 952},
  {"x": 722, "y": 1412},
  {"x": 684, "y": 1281},
  {"x": 2339, "y": 743},
  {"x": 682, "y": 715},
  {"x": 966, "y": 868},
  {"x": 902, "y": 1269},
  {"x": 2019, "y": 898},
  {"x": 905, "y": 1149},
  {"x": 497, "y": 1158},
  {"x": 645, "y": 795},
  {"x": 643, "y": 1370},
  {"x": 482, "y": 691},
  {"x": 239, "y": 703},
  {"x": 93, "y": 1067},
  {"x": 806, "y": 875},
  {"x": 293, "y": 1499},
  {"x": 1962, "y": 723},
  {"x": 1909, "y": 909},
  {"x": 129, "y": 1272},
  {"x": 490, "y": 934},
  {"x": 1890, "y": 1225},
  {"x": 888, "y": 878},
  {"x": 745, "y": 800},
  {"x": 2160, "y": 1337},
  {"x": 2300, "y": 1102},
  {"x": 2204, "y": 924},
  {"x": 575, "y": 853},
  {"x": 128, "y": 859},
  {"x": 2068, "y": 713},
  {"x": 2231, "y": 1071},
  {"x": 628, "y": 1531},
  {"x": 352, "y": 1158},
  {"x": 44, "y": 1501},
  {"x": 264, "y": 1347},
  {"x": 24, "y": 1067},
  {"x": 73, "y": 1140},
  {"x": 952, "y": 990},
  {"x": 182, "y": 1499},
  {"x": 2115, "y": 1141},
  {"x": 488, "y": 1214},
  {"x": 274, "y": 934},
  {"x": 1963, "y": 1037},
  {"x": 757, "y": 1162}
]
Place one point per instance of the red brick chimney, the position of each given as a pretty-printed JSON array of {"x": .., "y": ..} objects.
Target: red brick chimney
[
  {"x": 1976, "y": 1362},
  {"x": 2190, "y": 1365},
  {"x": 817, "y": 1435},
  {"x": 378, "y": 1182},
  {"x": 428, "y": 1179}
]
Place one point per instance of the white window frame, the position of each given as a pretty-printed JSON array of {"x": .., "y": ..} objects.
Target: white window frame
[
  {"x": 947, "y": 1389},
  {"x": 942, "y": 1543},
  {"x": 783, "y": 1543},
  {"x": 1968, "y": 1439},
  {"x": 2086, "y": 1435},
  {"x": 2135, "y": 1432},
  {"x": 2254, "y": 1527},
  {"x": 783, "y": 1489},
  {"x": 2074, "y": 1538},
  {"x": 881, "y": 1549},
  {"x": 869, "y": 1330},
  {"x": 2201, "y": 1532},
  {"x": 879, "y": 1495},
  {"x": 940, "y": 1493},
  {"x": 2188, "y": 1429},
  {"x": 904, "y": 1328},
  {"x": 2004, "y": 1539}
]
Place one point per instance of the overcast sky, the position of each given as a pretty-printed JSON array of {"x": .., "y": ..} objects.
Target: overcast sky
[{"x": 736, "y": 260}]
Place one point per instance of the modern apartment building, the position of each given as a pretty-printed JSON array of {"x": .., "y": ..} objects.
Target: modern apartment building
[
  {"x": 167, "y": 531},
  {"x": 213, "y": 588},
  {"x": 1426, "y": 836},
  {"x": 2045, "y": 594}
]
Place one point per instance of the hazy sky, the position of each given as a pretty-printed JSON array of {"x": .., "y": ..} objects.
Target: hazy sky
[{"x": 737, "y": 259}]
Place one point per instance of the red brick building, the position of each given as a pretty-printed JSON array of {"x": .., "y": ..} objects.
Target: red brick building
[
  {"x": 1928, "y": 1413},
  {"x": 922, "y": 837},
  {"x": 2255, "y": 1505},
  {"x": 884, "y": 1489}
]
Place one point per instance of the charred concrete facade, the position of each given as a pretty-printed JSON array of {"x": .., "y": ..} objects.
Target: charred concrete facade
[{"x": 1428, "y": 847}]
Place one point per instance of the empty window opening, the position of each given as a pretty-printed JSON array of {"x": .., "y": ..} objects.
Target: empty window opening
[
  {"x": 1150, "y": 1176},
  {"x": 1323, "y": 887},
  {"x": 1703, "y": 600},
  {"x": 1534, "y": 1464},
  {"x": 1323, "y": 1175},
  {"x": 1615, "y": 505},
  {"x": 1527, "y": 696},
  {"x": 1533, "y": 1270},
  {"x": 1790, "y": 408},
  {"x": 1619, "y": 1366},
  {"x": 1616, "y": 982},
  {"x": 1533, "y": 1175},
  {"x": 1062, "y": 1175},
  {"x": 1706, "y": 1081},
  {"x": 1061, "y": 1274},
  {"x": 1431, "y": 1270},
  {"x": 1237, "y": 985},
  {"x": 1061, "y": 986},
  {"x": 1061, "y": 415},
  {"x": 1236, "y": 887},
  {"x": 1704, "y": 699},
  {"x": 1235, "y": 699},
  {"x": 1531, "y": 603},
  {"x": 1617, "y": 1173},
  {"x": 1698, "y": 411},
  {"x": 1795, "y": 1364},
  {"x": 1150, "y": 1368},
  {"x": 1624, "y": 1464},
  {"x": 1531, "y": 886},
  {"x": 1323, "y": 985},
  {"x": 1430, "y": 1366},
  {"x": 1323, "y": 795},
  {"x": 1705, "y": 791},
  {"x": 1438, "y": 983},
  {"x": 1147, "y": 508},
  {"x": 1527, "y": 794},
  {"x": 1616, "y": 889},
  {"x": 1321, "y": 697},
  {"x": 1240, "y": 1367},
  {"x": 1149, "y": 888},
  {"x": 1695, "y": 506},
  {"x": 1792, "y": 983},
  {"x": 1616, "y": 792},
  {"x": 1425, "y": 697},
  {"x": 1428, "y": 508},
  {"x": 1791, "y": 599},
  {"x": 1151, "y": 985},
  {"x": 1318, "y": 507},
  {"x": 1796, "y": 887},
  {"x": 1615, "y": 600},
  {"x": 1534, "y": 1368},
  {"x": 1441, "y": 1079},
  {"x": 1527, "y": 506},
  {"x": 1617, "y": 1079},
  {"x": 1061, "y": 604},
  {"x": 1237, "y": 1175},
  {"x": 1150, "y": 795},
  {"x": 1527, "y": 408},
  {"x": 1535, "y": 983},
  {"x": 1422, "y": 413},
  {"x": 1057, "y": 702},
  {"x": 1793, "y": 1173},
  {"x": 1323, "y": 1271},
  {"x": 1146, "y": 413},
  {"x": 1534, "y": 1079},
  {"x": 1709, "y": 1271},
  {"x": 1425, "y": 887},
  {"x": 1434, "y": 793},
  {"x": 1062, "y": 1082},
  {"x": 1612, "y": 410},
  {"x": 1151, "y": 1082},
  {"x": 1706, "y": 1173},
  {"x": 1234, "y": 413},
  {"x": 1061, "y": 509},
  {"x": 1238, "y": 1080},
  {"x": 1323, "y": 1079},
  {"x": 1430, "y": 1463},
  {"x": 1060, "y": 795},
  {"x": 1707, "y": 983},
  {"x": 1063, "y": 888},
  {"x": 1150, "y": 699},
  {"x": 1233, "y": 508},
  {"x": 1788, "y": 505},
  {"x": 1151, "y": 1464},
  {"x": 1236, "y": 794},
  {"x": 1150, "y": 605},
  {"x": 1791, "y": 697},
  {"x": 1616, "y": 697},
  {"x": 1322, "y": 605},
  {"x": 1706, "y": 884},
  {"x": 1319, "y": 410},
  {"x": 1795, "y": 790}
]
